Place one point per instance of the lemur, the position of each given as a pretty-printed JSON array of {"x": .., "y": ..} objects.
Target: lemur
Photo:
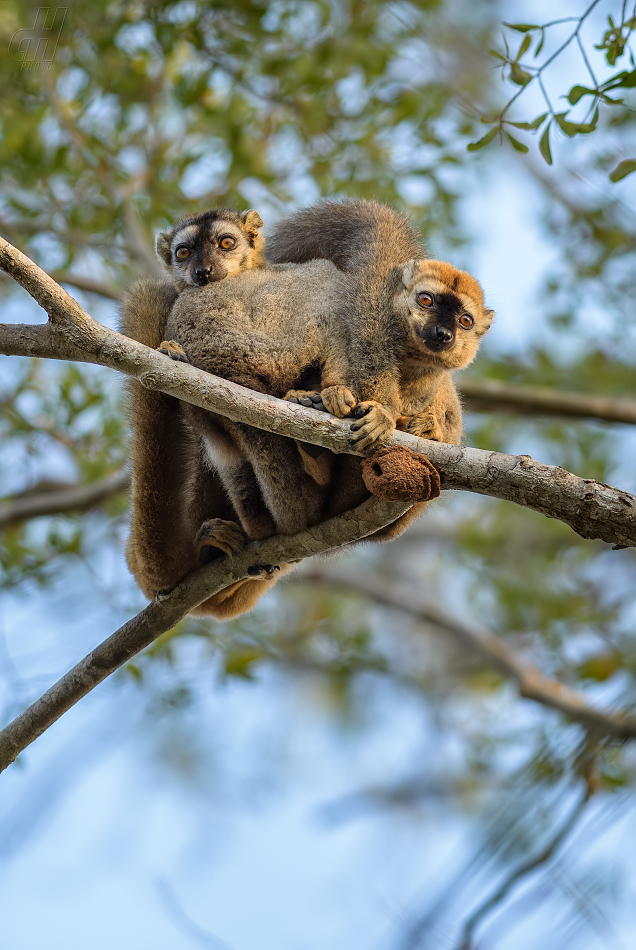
[
  {"x": 375, "y": 338},
  {"x": 174, "y": 491}
]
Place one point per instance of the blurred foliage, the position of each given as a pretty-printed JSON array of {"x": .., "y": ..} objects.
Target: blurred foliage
[{"x": 140, "y": 111}]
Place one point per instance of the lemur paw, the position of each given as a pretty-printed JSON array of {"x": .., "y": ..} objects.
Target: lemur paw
[
  {"x": 339, "y": 401},
  {"x": 311, "y": 399},
  {"x": 424, "y": 426},
  {"x": 174, "y": 351},
  {"x": 216, "y": 537},
  {"x": 376, "y": 424}
]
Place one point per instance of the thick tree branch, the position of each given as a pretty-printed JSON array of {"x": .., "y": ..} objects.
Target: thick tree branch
[
  {"x": 481, "y": 641},
  {"x": 66, "y": 498},
  {"x": 592, "y": 509},
  {"x": 489, "y": 394},
  {"x": 164, "y": 612}
]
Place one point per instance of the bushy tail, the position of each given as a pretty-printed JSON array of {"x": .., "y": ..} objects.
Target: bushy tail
[
  {"x": 145, "y": 310},
  {"x": 364, "y": 237}
]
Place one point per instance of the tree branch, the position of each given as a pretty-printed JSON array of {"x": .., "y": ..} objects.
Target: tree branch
[
  {"x": 164, "y": 612},
  {"x": 66, "y": 498},
  {"x": 532, "y": 683},
  {"x": 484, "y": 395},
  {"x": 592, "y": 509}
]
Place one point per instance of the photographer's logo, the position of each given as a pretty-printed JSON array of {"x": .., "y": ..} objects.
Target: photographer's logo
[{"x": 35, "y": 48}]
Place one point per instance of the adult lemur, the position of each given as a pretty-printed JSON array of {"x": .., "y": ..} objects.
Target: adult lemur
[{"x": 376, "y": 336}]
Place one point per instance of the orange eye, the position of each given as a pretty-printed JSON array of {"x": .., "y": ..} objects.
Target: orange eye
[
  {"x": 227, "y": 243},
  {"x": 466, "y": 321},
  {"x": 425, "y": 300},
  {"x": 182, "y": 253}
]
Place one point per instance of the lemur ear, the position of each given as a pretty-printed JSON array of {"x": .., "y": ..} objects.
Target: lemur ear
[
  {"x": 410, "y": 272},
  {"x": 252, "y": 221},
  {"x": 162, "y": 247},
  {"x": 489, "y": 314}
]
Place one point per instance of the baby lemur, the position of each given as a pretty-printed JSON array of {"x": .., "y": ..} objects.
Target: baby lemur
[{"x": 375, "y": 332}]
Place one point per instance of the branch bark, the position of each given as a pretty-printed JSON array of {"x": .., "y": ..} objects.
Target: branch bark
[
  {"x": 592, "y": 509},
  {"x": 482, "y": 642},
  {"x": 164, "y": 612}
]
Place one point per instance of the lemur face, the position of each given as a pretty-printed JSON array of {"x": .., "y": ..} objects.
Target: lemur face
[
  {"x": 445, "y": 312},
  {"x": 210, "y": 246}
]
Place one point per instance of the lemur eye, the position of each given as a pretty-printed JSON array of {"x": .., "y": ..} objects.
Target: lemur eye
[
  {"x": 425, "y": 300},
  {"x": 182, "y": 253},
  {"x": 466, "y": 321},
  {"x": 227, "y": 243}
]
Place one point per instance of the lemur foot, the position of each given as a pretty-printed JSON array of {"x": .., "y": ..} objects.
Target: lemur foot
[
  {"x": 398, "y": 474},
  {"x": 377, "y": 424},
  {"x": 216, "y": 537},
  {"x": 339, "y": 401},
  {"x": 309, "y": 398},
  {"x": 174, "y": 351},
  {"x": 263, "y": 570}
]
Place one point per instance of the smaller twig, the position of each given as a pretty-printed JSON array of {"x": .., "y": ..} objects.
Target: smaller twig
[
  {"x": 488, "y": 394},
  {"x": 531, "y": 682},
  {"x": 530, "y": 865},
  {"x": 78, "y": 497},
  {"x": 102, "y": 287}
]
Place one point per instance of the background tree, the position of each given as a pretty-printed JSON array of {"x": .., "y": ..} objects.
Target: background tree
[{"x": 132, "y": 114}]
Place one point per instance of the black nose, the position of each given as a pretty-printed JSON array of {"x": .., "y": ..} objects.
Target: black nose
[
  {"x": 202, "y": 274},
  {"x": 443, "y": 335}
]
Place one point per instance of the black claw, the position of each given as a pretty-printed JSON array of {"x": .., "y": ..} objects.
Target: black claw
[
  {"x": 183, "y": 358},
  {"x": 316, "y": 397},
  {"x": 359, "y": 412},
  {"x": 163, "y": 350},
  {"x": 354, "y": 427},
  {"x": 268, "y": 569},
  {"x": 320, "y": 406},
  {"x": 305, "y": 401},
  {"x": 293, "y": 399}
]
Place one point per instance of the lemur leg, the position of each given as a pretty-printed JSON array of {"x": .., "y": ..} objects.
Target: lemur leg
[{"x": 169, "y": 500}]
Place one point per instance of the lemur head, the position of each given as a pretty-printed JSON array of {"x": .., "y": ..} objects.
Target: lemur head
[
  {"x": 205, "y": 247},
  {"x": 445, "y": 311}
]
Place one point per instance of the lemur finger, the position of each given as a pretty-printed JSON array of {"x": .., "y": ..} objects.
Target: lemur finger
[
  {"x": 174, "y": 351},
  {"x": 338, "y": 400},
  {"x": 306, "y": 401},
  {"x": 226, "y": 536}
]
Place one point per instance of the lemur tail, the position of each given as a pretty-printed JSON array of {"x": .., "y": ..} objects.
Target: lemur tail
[{"x": 356, "y": 235}]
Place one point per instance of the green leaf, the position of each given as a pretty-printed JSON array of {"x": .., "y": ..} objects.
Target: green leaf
[
  {"x": 518, "y": 146},
  {"x": 522, "y": 27},
  {"x": 577, "y": 92},
  {"x": 623, "y": 169},
  {"x": 576, "y": 128},
  {"x": 488, "y": 137},
  {"x": 544, "y": 145},
  {"x": 519, "y": 76},
  {"x": 569, "y": 128},
  {"x": 622, "y": 80},
  {"x": 494, "y": 52},
  {"x": 525, "y": 43},
  {"x": 530, "y": 126}
]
